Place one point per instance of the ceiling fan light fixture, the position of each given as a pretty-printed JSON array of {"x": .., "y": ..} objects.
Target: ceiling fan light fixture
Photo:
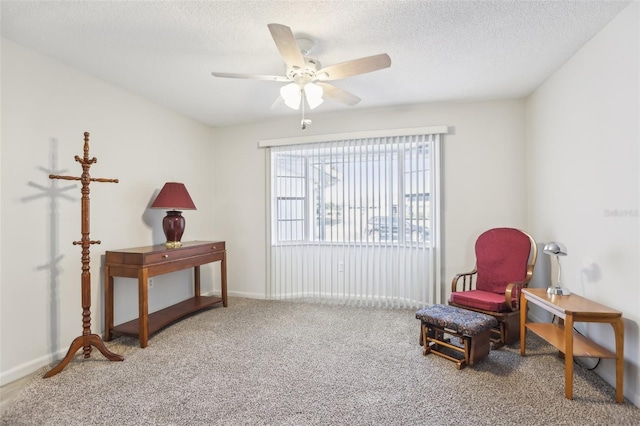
[
  {"x": 292, "y": 95},
  {"x": 313, "y": 93}
]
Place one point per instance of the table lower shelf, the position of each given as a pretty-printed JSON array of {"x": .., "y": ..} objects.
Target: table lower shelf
[
  {"x": 164, "y": 317},
  {"x": 582, "y": 346}
]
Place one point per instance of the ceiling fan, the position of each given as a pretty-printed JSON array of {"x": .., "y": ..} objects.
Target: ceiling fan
[{"x": 307, "y": 80}]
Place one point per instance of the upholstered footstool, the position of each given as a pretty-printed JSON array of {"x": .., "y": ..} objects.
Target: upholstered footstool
[{"x": 472, "y": 328}]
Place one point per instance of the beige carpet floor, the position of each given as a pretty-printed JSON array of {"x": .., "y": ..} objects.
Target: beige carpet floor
[{"x": 263, "y": 362}]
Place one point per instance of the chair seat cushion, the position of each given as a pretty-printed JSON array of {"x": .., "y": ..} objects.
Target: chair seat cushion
[
  {"x": 463, "y": 322},
  {"x": 480, "y": 299}
]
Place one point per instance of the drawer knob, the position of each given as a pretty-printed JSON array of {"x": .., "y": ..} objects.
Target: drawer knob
[{"x": 165, "y": 256}]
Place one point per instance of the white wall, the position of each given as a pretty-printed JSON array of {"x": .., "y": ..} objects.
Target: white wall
[
  {"x": 583, "y": 140},
  {"x": 484, "y": 178},
  {"x": 46, "y": 108},
  {"x": 582, "y": 122}
]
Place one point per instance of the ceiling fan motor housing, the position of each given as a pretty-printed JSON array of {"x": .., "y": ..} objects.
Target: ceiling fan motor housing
[{"x": 304, "y": 75}]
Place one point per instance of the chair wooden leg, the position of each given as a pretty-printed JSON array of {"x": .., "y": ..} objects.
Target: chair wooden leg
[
  {"x": 512, "y": 330},
  {"x": 507, "y": 332}
]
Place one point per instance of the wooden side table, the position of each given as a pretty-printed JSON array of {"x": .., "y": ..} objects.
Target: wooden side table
[
  {"x": 145, "y": 262},
  {"x": 571, "y": 309}
]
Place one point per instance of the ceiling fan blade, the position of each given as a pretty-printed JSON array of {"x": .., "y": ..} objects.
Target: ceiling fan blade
[
  {"x": 251, "y": 76},
  {"x": 287, "y": 45},
  {"x": 355, "y": 67},
  {"x": 337, "y": 94}
]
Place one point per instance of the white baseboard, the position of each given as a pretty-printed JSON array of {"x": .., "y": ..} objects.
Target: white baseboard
[
  {"x": 27, "y": 368},
  {"x": 247, "y": 295}
]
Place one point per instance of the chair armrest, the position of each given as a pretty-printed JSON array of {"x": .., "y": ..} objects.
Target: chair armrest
[
  {"x": 517, "y": 286},
  {"x": 467, "y": 281},
  {"x": 512, "y": 294}
]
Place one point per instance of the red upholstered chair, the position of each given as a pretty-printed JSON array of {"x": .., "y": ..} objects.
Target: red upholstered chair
[{"x": 505, "y": 258}]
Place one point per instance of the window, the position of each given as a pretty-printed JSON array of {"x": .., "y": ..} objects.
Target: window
[
  {"x": 290, "y": 187},
  {"x": 355, "y": 219},
  {"x": 352, "y": 192}
]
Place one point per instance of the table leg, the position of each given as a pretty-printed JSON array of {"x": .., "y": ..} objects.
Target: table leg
[
  {"x": 143, "y": 307},
  {"x": 223, "y": 273},
  {"x": 618, "y": 328},
  {"x": 568, "y": 357},
  {"x": 523, "y": 321},
  {"x": 196, "y": 281},
  {"x": 108, "y": 304}
]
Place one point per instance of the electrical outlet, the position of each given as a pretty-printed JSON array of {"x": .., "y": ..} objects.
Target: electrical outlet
[
  {"x": 150, "y": 282},
  {"x": 340, "y": 266}
]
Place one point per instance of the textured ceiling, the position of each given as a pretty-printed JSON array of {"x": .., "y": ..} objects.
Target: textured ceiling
[{"x": 440, "y": 50}]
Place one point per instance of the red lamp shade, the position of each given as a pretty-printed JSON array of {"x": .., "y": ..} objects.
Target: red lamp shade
[{"x": 173, "y": 196}]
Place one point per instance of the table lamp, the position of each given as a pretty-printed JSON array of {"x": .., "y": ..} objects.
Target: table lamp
[
  {"x": 174, "y": 197},
  {"x": 556, "y": 249}
]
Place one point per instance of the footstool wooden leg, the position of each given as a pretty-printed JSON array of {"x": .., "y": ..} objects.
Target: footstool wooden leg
[
  {"x": 425, "y": 342},
  {"x": 479, "y": 347},
  {"x": 465, "y": 340}
]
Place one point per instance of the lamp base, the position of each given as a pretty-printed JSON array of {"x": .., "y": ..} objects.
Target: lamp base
[
  {"x": 173, "y": 244},
  {"x": 558, "y": 291},
  {"x": 173, "y": 227}
]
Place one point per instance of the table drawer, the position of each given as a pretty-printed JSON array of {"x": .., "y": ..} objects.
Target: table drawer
[
  {"x": 158, "y": 254},
  {"x": 171, "y": 255}
]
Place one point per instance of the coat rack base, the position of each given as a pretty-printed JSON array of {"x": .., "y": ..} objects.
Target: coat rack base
[{"x": 84, "y": 342}]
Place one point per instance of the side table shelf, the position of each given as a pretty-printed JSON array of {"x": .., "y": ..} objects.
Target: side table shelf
[
  {"x": 164, "y": 317},
  {"x": 582, "y": 346}
]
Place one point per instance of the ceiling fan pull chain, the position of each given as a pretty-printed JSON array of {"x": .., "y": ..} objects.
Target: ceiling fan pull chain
[{"x": 304, "y": 122}]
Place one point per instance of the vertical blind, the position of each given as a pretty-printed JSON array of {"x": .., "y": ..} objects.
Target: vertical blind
[{"x": 355, "y": 220}]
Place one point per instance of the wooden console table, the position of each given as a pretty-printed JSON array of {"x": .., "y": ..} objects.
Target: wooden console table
[
  {"x": 145, "y": 262},
  {"x": 571, "y": 309}
]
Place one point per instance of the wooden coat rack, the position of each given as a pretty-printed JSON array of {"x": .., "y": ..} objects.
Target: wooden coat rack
[{"x": 87, "y": 339}]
